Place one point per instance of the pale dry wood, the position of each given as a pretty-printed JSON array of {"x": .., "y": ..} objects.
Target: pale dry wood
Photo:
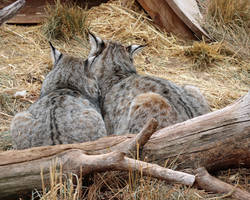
[
  {"x": 76, "y": 161},
  {"x": 188, "y": 11},
  {"x": 218, "y": 140},
  {"x": 23, "y": 177},
  {"x": 179, "y": 17},
  {"x": 9, "y": 11},
  {"x": 209, "y": 183},
  {"x": 140, "y": 139}
]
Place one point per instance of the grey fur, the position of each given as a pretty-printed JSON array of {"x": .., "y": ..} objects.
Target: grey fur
[
  {"x": 67, "y": 110},
  {"x": 129, "y": 100}
]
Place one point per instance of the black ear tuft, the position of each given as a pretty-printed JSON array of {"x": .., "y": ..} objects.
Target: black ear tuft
[
  {"x": 55, "y": 54},
  {"x": 96, "y": 44},
  {"x": 132, "y": 49},
  {"x": 51, "y": 46}
]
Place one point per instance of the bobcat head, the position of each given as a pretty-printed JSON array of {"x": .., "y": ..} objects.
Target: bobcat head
[
  {"x": 112, "y": 61},
  {"x": 71, "y": 73}
]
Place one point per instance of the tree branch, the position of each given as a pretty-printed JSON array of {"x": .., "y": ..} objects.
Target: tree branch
[
  {"x": 25, "y": 176},
  {"x": 209, "y": 183},
  {"x": 140, "y": 139}
]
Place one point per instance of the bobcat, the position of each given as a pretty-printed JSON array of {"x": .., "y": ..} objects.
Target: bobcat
[
  {"x": 129, "y": 99},
  {"x": 67, "y": 110}
]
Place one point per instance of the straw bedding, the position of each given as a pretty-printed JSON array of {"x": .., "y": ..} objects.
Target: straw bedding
[{"x": 25, "y": 60}]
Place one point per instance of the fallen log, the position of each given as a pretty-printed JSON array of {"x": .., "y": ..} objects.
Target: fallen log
[
  {"x": 9, "y": 11},
  {"x": 18, "y": 179},
  {"x": 22, "y": 177},
  {"x": 216, "y": 140}
]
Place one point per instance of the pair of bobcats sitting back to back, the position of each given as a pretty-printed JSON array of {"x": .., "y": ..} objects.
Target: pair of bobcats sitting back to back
[{"x": 82, "y": 100}]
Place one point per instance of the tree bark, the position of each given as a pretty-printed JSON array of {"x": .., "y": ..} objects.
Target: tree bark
[
  {"x": 217, "y": 140},
  {"x": 9, "y": 11},
  {"x": 20, "y": 178}
]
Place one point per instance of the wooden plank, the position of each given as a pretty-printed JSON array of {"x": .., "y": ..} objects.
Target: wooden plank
[
  {"x": 188, "y": 11},
  {"x": 163, "y": 15},
  {"x": 34, "y": 10}
]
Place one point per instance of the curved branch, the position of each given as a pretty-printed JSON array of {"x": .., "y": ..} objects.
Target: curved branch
[
  {"x": 25, "y": 176},
  {"x": 209, "y": 183},
  {"x": 140, "y": 139}
]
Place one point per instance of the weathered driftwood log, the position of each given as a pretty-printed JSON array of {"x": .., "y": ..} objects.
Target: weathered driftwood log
[
  {"x": 20, "y": 178},
  {"x": 216, "y": 140},
  {"x": 23, "y": 177},
  {"x": 9, "y": 11}
]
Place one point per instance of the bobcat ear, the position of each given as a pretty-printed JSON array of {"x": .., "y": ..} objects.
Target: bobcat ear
[
  {"x": 87, "y": 64},
  {"x": 90, "y": 60},
  {"x": 132, "y": 49},
  {"x": 55, "y": 54},
  {"x": 96, "y": 44}
]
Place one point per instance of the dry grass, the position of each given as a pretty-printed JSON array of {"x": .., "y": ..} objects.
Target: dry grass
[
  {"x": 221, "y": 72},
  {"x": 230, "y": 12},
  {"x": 229, "y": 21},
  {"x": 129, "y": 186},
  {"x": 204, "y": 55},
  {"x": 61, "y": 186},
  {"x": 65, "y": 21}
]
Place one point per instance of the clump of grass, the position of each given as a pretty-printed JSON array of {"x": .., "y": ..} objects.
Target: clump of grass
[
  {"x": 62, "y": 186},
  {"x": 65, "y": 22},
  {"x": 5, "y": 141},
  {"x": 230, "y": 12},
  {"x": 229, "y": 21},
  {"x": 204, "y": 55},
  {"x": 6, "y": 104},
  {"x": 122, "y": 185}
]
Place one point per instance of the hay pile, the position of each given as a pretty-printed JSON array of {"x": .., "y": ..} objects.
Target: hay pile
[{"x": 218, "y": 71}]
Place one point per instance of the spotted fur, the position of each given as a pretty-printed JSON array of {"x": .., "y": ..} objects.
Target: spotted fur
[
  {"x": 68, "y": 108},
  {"x": 129, "y": 99}
]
